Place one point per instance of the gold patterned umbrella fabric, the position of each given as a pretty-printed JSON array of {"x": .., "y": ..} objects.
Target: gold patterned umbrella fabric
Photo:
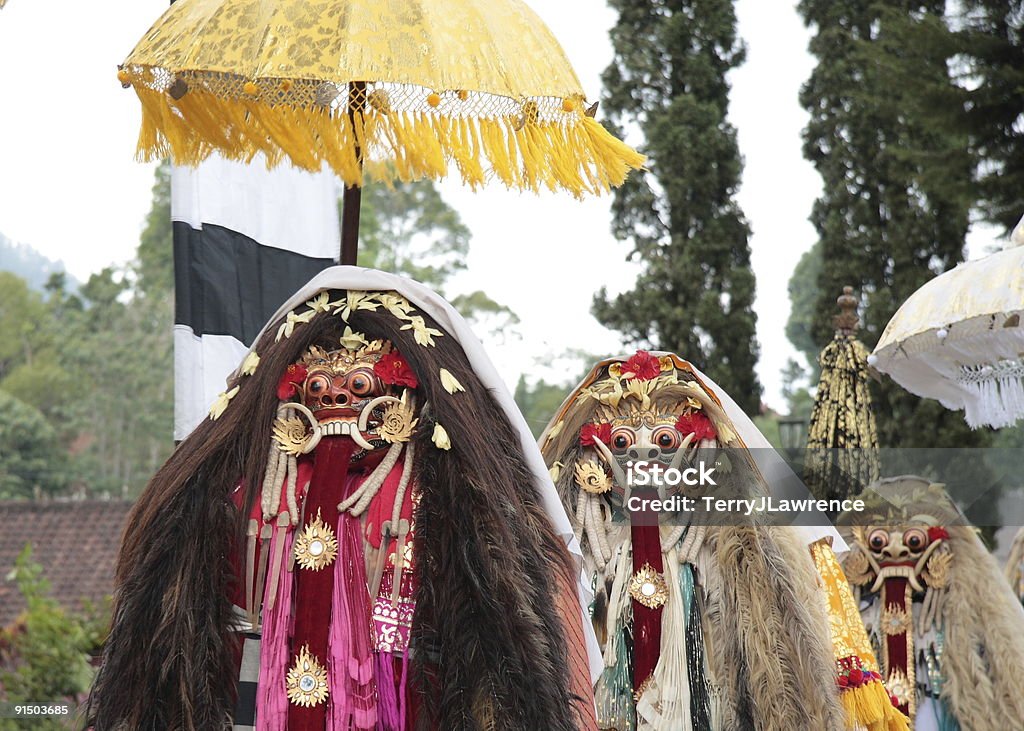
[
  {"x": 959, "y": 339},
  {"x": 384, "y": 88}
]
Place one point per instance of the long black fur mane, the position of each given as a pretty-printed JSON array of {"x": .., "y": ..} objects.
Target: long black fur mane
[{"x": 488, "y": 642}]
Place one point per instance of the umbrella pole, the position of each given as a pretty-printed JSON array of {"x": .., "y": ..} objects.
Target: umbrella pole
[{"x": 351, "y": 199}]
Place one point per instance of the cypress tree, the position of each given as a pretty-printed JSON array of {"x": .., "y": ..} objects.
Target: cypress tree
[
  {"x": 695, "y": 292},
  {"x": 894, "y": 212}
]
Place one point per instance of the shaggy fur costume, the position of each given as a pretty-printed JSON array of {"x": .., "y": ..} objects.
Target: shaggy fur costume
[
  {"x": 982, "y": 660},
  {"x": 495, "y": 599},
  {"x": 766, "y": 631}
]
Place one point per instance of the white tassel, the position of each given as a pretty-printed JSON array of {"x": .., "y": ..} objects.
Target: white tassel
[
  {"x": 669, "y": 542},
  {"x": 582, "y": 509},
  {"x": 360, "y": 499},
  {"x": 403, "y": 483},
  {"x": 996, "y": 393},
  {"x": 692, "y": 543},
  {"x": 293, "y": 477},
  {"x": 597, "y": 516},
  {"x": 271, "y": 482}
]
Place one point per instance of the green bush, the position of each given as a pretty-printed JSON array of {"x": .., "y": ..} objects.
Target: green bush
[{"x": 45, "y": 653}]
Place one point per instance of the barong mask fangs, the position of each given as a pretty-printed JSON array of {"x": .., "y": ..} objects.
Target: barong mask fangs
[{"x": 347, "y": 397}]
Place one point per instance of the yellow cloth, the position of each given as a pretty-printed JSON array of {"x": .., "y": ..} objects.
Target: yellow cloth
[{"x": 868, "y": 705}]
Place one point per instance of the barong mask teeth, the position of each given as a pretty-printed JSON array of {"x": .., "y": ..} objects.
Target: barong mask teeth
[
  {"x": 347, "y": 396},
  {"x": 904, "y": 551}
]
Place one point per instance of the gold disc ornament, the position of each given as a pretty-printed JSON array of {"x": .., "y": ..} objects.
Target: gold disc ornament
[
  {"x": 316, "y": 546},
  {"x": 648, "y": 587},
  {"x": 306, "y": 680}
]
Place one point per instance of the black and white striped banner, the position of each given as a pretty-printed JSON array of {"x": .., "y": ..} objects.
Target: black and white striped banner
[{"x": 245, "y": 239}]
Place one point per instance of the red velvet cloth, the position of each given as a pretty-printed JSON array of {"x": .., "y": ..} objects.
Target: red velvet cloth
[
  {"x": 646, "y": 538},
  {"x": 329, "y": 485},
  {"x": 894, "y": 595}
]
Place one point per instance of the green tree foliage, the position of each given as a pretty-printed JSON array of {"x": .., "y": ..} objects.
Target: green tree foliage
[
  {"x": 803, "y": 298},
  {"x": 892, "y": 214},
  {"x": 124, "y": 363},
  {"x": 31, "y": 458},
  {"x": 21, "y": 311},
  {"x": 44, "y": 655},
  {"x": 695, "y": 292},
  {"x": 984, "y": 42},
  {"x": 408, "y": 229},
  {"x": 539, "y": 402},
  {"x": 155, "y": 257}
]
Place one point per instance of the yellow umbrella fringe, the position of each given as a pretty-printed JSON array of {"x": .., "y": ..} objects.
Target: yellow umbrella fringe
[{"x": 578, "y": 155}]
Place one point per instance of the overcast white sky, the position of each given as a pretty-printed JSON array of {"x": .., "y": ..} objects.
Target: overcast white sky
[{"x": 69, "y": 185}]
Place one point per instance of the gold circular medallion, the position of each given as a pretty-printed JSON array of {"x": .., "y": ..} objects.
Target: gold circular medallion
[
  {"x": 648, "y": 587},
  {"x": 306, "y": 680},
  {"x": 316, "y": 546}
]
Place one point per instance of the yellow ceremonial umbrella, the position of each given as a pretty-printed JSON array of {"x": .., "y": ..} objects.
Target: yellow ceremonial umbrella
[{"x": 373, "y": 88}]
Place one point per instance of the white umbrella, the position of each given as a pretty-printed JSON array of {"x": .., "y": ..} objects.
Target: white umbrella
[{"x": 958, "y": 338}]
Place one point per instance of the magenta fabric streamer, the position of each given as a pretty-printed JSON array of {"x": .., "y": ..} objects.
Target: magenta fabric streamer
[
  {"x": 272, "y": 695},
  {"x": 353, "y": 693}
]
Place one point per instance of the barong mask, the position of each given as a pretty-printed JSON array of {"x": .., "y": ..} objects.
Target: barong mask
[
  {"x": 298, "y": 548},
  {"x": 648, "y": 409},
  {"x": 936, "y": 607},
  {"x": 683, "y": 605},
  {"x": 906, "y": 551},
  {"x": 364, "y": 393},
  {"x": 908, "y": 539}
]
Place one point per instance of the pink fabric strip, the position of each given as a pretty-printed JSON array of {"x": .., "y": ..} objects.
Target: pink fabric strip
[
  {"x": 388, "y": 713},
  {"x": 272, "y": 696},
  {"x": 353, "y": 699}
]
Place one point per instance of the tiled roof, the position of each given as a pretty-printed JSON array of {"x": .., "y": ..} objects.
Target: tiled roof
[{"x": 76, "y": 542}]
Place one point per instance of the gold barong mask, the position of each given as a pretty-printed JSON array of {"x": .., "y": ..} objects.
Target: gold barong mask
[
  {"x": 362, "y": 392},
  {"x": 650, "y": 409},
  {"x": 906, "y": 538}
]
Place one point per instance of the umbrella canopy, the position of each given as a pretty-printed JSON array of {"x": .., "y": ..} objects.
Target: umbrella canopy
[
  {"x": 958, "y": 339},
  {"x": 385, "y": 88},
  {"x": 842, "y": 438}
]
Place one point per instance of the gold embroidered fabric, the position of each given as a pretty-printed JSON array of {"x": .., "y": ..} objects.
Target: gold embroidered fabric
[
  {"x": 848, "y": 634},
  {"x": 496, "y": 46},
  {"x": 842, "y": 439},
  {"x": 479, "y": 85}
]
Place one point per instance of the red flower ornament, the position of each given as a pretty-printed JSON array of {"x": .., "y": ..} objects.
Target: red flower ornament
[
  {"x": 696, "y": 423},
  {"x": 291, "y": 381},
  {"x": 394, "y": 370},
  {"x": 643, "y": 366},
  {"x": 937, "y": 533},
  {"x": 595, "y": 432}
]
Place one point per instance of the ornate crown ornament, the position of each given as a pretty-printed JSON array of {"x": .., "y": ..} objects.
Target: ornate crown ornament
[{"x": 339, "y": 362}]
